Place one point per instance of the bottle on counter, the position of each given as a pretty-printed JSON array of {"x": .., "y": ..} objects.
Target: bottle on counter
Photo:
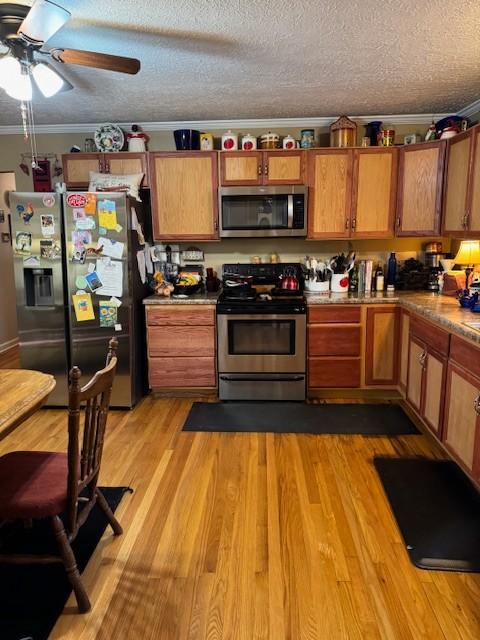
[
  {"x": 392, "y": 269},
  {"x": 379, "y": 278}
]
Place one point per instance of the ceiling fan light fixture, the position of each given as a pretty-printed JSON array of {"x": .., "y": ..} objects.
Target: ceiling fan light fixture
[
  {"x": 47, "y": 79},
  {"x": 20, "y": 87},
  {"x": 43, "y": 20},
  {"x": 10, "y": 71}
]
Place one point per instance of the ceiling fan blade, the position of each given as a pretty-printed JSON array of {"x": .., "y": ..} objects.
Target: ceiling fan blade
[
  {"x": 96, "y": 60},
  {"x": 43, "y": 20}
]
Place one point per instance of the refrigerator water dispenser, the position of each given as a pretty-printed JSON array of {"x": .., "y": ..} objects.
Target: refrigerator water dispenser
[{"x": 39, "y": 287}]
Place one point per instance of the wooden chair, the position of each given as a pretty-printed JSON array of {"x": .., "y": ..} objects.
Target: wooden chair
[{"x": 41, "y": 484}]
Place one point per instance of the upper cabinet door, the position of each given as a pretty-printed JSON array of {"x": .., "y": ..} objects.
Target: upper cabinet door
[
  {"x": 374, "y": 192},
  {"x": 184, "y": 195},
  {"x": 420, "y": 179},
  {"x": 283, "y": 167},
  {"x": 455, "y": 215},
  {"x": 77, "y": 167},
  {"x": 127, "y": 164},
  {"x": 241, "y": 168},
  {"x": 330, "y": 193},
  {"x": 474, "y": 218}
]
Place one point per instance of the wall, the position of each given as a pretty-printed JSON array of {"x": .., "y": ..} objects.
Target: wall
[{"x": 8, "y": 314}]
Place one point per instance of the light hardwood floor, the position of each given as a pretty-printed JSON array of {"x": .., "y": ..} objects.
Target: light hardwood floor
[{"x": 250, "y": 536}]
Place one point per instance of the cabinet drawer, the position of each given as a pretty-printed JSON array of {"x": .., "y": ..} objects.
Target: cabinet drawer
[
  {"x": 333, "y": 341},
  {"x": 430, "y": 334},
  {"x": 466, "y": 355},
  {"x": 334, "y": 313},
  {"x": 181, "y": 341},
  {"x": 181, "y": 372},
  {"x": 334, "y": 373},
  {"x": 177, "y": 315}
]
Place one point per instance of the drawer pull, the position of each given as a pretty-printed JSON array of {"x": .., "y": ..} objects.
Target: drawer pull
[
  {"x": 476, "y": 405},
  {"x": 422, "y": 357}
]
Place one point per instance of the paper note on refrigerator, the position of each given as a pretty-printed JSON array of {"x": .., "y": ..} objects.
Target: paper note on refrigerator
[
  {"x": 111, "y": 248},
  {"x": 110, "y": 273},
  {"x": 82, "y": 303},
  {"x": 107, "y": 214}
]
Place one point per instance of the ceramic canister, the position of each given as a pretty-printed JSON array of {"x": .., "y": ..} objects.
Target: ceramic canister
[
  {"x": 249, "y": 142},
  {"x": 288, "y": 142},
  {"x": 206, "y": 142},
  {"x": 229, "y": 141}
]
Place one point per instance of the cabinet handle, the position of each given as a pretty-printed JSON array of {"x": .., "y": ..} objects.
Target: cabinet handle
[
  {"x": 215, "y": 225},
  {"x": 354, "y": 223},
  {"x": 465, "y": 220},
  {"x": 347, "y": 223},
  {"x": 259, "y": 169},
  {"x": 422, "y": 357},
  {"x": 265, "y": 169},
  {"x": 476, "y": 405},
  {"x": 398, "y": 222}
]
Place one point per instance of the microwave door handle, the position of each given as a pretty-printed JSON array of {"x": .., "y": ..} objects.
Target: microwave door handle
[{"x": 290, "y": 211}]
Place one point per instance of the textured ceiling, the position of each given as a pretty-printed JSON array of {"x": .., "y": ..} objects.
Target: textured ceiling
[{"x": 211, "y": 59}]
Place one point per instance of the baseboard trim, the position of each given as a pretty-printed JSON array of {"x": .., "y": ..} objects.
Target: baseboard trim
[
  {"x": 357, "y": 394},
  {"x": 10, "y": 344}
]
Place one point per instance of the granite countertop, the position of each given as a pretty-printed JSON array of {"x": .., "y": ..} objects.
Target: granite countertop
[
  {"x": 197, "y": 298},
  {"x": 441, "y": 310}
]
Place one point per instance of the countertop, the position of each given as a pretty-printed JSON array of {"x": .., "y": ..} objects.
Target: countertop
[
  {"x": 197, "y": 298},
  {"x": 441, "y": 310}
]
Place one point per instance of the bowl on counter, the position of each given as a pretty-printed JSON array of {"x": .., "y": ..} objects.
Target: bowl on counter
[{"x": 186, "y": 290}]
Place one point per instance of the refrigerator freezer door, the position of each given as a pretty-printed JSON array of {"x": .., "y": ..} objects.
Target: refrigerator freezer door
[
  {"x": 39, "y": 277},
  {"x": 89, "y": 340}
]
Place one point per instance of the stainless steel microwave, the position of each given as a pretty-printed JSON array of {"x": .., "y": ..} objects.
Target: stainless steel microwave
[{"x": 247, "y": 212}]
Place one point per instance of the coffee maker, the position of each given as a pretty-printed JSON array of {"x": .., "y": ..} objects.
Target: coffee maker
[{"x": 433, "y": 255}]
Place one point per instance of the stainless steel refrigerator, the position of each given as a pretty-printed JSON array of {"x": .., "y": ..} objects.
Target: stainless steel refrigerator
[{"x": 77, "y": 285}]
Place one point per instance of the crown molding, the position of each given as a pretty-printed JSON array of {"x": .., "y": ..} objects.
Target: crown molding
[
  {"x": 470, "y": 109},
  {"x": 255, "y": 123}
]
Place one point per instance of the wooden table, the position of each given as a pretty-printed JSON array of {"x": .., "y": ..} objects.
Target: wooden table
[{"x": 22, "y": 392}]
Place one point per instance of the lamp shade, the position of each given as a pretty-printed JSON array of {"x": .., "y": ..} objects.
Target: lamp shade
[{"x": 468, "y": 253}]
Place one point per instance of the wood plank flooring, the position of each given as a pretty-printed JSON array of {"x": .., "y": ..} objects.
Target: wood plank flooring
[{"x": 252, "y": 536}]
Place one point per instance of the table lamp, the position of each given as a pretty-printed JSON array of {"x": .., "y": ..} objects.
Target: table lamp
[{"x": 468, "y": 255}]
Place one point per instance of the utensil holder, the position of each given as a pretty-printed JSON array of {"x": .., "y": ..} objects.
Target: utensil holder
[
  {"x": 339, "y": 283},
  {"x": 317, "y": 287}
]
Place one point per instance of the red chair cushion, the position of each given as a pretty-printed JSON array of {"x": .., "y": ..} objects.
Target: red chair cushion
[{"x": 33, "y": 484}]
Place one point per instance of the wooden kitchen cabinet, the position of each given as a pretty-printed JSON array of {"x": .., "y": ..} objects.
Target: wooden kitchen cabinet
[
  {"x": 381, "y": 352},
  {"x": 473, "y": 220},
  {"x": 184, "y": 195},
  {"x": 334, "y": 346},
  {"x": 77, "y": 166},
  {"x": 461, "y": 173},
  {"x": 374, "y": 192},
  {"x": 330, "y": 193},
  {"x": 239, "y": 168},
  {"x": 181, "y": 346},
  {"x": 403, "y": 350},
  {"x": 420, "y": 182},
  {"x": 352, "y": 192},
  {"x": 427, "y": 365}
]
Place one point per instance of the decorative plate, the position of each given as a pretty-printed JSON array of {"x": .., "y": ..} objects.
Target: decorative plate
[{"x": 109, "y": 137}]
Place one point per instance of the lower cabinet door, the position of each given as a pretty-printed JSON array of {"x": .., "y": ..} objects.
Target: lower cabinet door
[
  {"x": 381, "y": 352},
  {"x": 435, "y": 368},
  {"x": 181, "y": 372},
  {"x": 416, "y": 355},
  {"x": 334, "y": 373},
  {"x": 461, "y": 433}
]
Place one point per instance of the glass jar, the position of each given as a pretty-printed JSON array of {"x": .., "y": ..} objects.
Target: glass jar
[{"x": 307, "y": 138}]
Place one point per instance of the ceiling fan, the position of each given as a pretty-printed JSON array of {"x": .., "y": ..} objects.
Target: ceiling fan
[{"x": 24, "y": 31}]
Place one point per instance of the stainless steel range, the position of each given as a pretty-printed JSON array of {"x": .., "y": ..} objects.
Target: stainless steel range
[{"x": 261, "y": 320}]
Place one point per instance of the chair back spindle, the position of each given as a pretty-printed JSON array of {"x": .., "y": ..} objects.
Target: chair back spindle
[{"x": 91, "y": 400}]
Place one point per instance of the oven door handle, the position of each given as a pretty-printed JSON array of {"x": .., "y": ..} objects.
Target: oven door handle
[
  {"x": 246, "y": 378},
  {"x": 290, "y": 211}
]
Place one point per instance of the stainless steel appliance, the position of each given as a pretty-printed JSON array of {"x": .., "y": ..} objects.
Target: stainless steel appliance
[
  {"x": 261, "y": 335},
  {"x": 46, "y": 277},
  {"x": 247, "y": 212}
]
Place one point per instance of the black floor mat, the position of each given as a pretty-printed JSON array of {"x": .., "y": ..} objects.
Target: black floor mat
[
  {"x": 297, "y": 417},
  {"x": 33, "y": 596},
  {"x": 437, "y": 510}
]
